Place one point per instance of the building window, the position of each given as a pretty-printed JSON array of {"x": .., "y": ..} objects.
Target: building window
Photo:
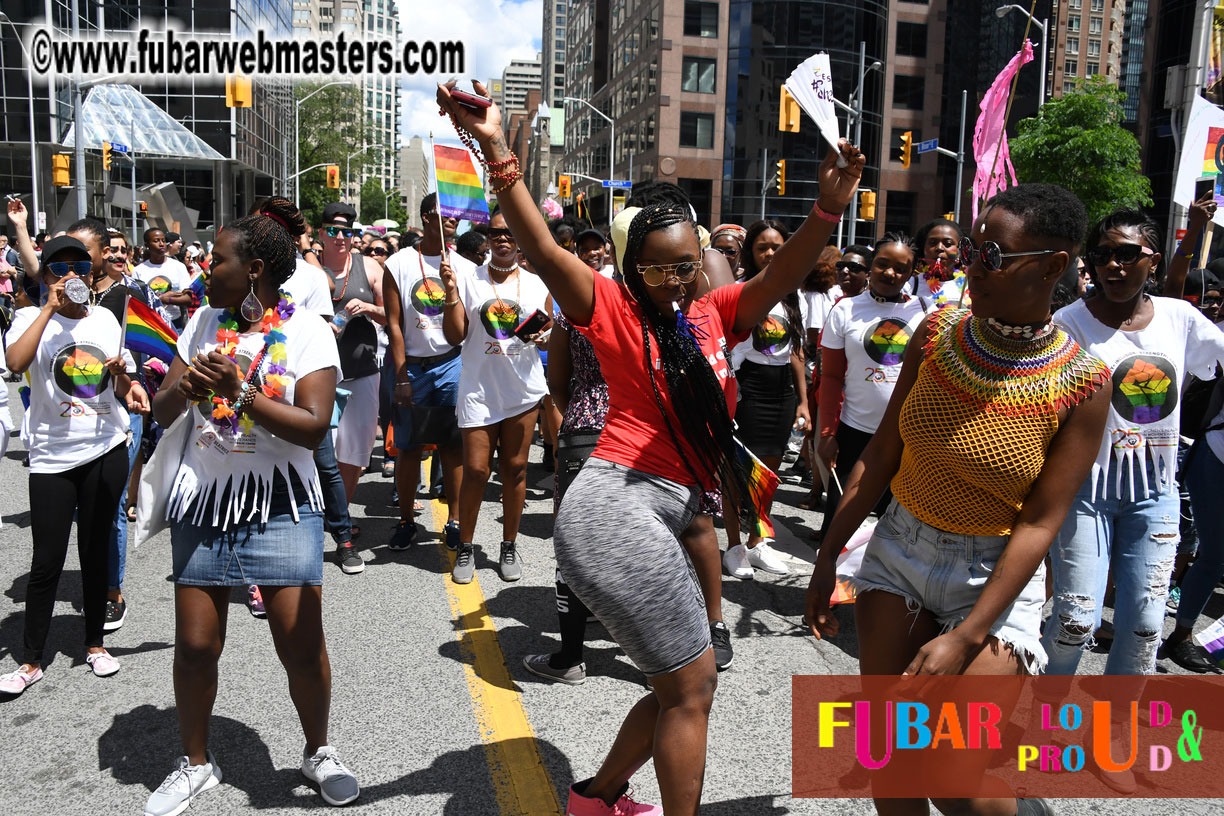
[
  {"x": 325, "y": 25},
  {"x": 1068, "y": 87},
  {"x": 912, "y": 39},
  {"x": 348, "y": 14},
  {"x": 1098, "y": 5},
  {"x": 698, "y": 75},
  {"x": 1094, "y": 26},
  {"x": 1094, "y": 48},
  {"x": 899, "y": 211},
  {"x": 1092, "y": 69},
  {"x": 325, "y": 11},
  {"x": 696, "y": 130},
  {"x": 1073, "y": 23},
  {"x": 1071, "y": 67},
  {"x": 908, "y": 92},
  {"x": 700, "y": 19},
  {"x": 1072, "y": 46},
  {"x": 1075, "y": 5}
]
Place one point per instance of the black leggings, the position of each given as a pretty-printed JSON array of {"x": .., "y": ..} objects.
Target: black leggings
[
  {"x": 851, "y": 442},
  {"x": 93, "y": 490},
  {"x": 573, "y": 449}
]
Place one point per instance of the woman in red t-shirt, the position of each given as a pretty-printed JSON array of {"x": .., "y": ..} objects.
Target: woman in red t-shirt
[{"x": 668, "y": 435}]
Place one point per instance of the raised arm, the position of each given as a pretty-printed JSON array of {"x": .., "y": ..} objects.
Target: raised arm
[
  {"x": 1201, "y": 213},
  {"x": 791, "y": 263},
  {"x": 17, "y": 216},
  {"x": 571, "y": 282}
]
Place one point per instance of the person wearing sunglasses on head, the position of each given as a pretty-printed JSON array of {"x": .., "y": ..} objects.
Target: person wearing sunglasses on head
[
  {"x": 668, "y": 436},
  {"x": 937, "y": 273},
  {"x": 988, "y": 432},
  {"x": 1125, "y": 517},
  {"x": 80, "y": 395}
]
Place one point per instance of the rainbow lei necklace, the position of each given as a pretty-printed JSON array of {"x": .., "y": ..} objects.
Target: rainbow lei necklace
[
  {"x": 275, "y": 382},
  {"x": 1017, "y": 377}
]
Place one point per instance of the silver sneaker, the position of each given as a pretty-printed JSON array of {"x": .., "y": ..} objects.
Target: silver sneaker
[
  {"x": 182, "y": 786},
  {"x": 337, "y": 785},
  {"x": 508, "y": 565},
  {"x": 538, "y": 665},
  {"x": 465, "y": 565}
]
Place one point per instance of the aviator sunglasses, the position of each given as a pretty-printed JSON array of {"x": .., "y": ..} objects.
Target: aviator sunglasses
[
  {"x": 991, "y": 255},
  {"x": 61, "y": 268},
  {"x": 657, "y": 274},
  {"x": 342, "y": 232}
]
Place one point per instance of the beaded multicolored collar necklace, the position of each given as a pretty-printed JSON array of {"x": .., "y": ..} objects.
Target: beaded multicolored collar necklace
[{"x": 275, "y": 382}]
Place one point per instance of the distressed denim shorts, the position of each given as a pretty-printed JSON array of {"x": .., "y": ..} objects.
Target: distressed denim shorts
[{"x": 944, "y": 573}]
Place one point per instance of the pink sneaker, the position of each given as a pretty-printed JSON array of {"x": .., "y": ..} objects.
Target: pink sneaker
[
  {"x": 103, "y": 664},
  {"x": 255, "y": 602},
  {"x": 580, "y": 805},
  {"x": 17, "y": 681}
]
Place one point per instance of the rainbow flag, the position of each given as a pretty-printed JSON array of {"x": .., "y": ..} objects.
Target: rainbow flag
[
  {"x": 197, "y": 288},
  {"x": 146, "y": 333},
  {"x": 762, "y": 482},
  {"x": 460, "y": 192}
]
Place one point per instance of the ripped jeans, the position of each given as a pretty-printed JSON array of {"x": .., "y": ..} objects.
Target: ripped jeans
[{"x": 1139, "y": 539}]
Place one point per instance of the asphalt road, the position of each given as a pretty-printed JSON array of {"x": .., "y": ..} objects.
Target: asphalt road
[{"x": 431, "y": 706}]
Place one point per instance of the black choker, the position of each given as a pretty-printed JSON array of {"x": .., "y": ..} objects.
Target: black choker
[{"x": 900, "y": 297}]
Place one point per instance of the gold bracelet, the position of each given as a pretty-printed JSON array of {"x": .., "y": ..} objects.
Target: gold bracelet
[{"x": 454, "y": 302}]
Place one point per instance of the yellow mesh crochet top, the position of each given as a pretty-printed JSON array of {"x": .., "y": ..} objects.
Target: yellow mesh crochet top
[{"x": 978, "y": 421}]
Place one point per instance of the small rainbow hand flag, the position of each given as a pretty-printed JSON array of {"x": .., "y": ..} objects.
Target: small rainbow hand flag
[
  {"x": 460, "y": 191},
  {"x": 146, "y": 333},
  {"x": 762, "y": 482},
  {"x": 197, "y": 289}
]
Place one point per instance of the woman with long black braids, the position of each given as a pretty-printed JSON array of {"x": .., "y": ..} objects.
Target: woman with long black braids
[{"x": 667, "y": 435}]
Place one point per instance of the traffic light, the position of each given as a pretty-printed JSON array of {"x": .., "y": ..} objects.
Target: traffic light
[
  {"x": 106, "y": 155},
  {"x": 237, "y": 91},
  {"x": 59, "y": 170},
  {"x": 907, "y": 145},
  {"x": 788, "y": 113},
  {"x": 867, "y": 205},
  {"x": 144, "y": 208},
  {"x": 563, "y": 186},
  {"x": 781, "y": 176},
  {"x": 333, "y": 176}
]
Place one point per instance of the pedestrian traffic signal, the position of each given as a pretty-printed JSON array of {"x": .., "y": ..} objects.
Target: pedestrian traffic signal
[
  {"x": 59, "y": 170},
  {"x": 333, "y": 176},
  {"x": 907, "y": 145},
  {"x": 781, "y": 176},
  {"x": 238, "y": 92},
  {"x": 867, "y": 205},
  {"x": 106, "y": 155},
  {"x": 563, "y": 186},
  {"x": 144, "y": 208},
  {"x": 788, "y": 113}
]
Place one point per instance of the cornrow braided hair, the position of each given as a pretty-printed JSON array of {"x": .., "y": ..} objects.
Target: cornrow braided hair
[
  {"x": 790, "y": 301},
  {"x": 696, "y": 395},
  {"x": 270, "y": 236},
  {"x": 1147, "y": 227}
]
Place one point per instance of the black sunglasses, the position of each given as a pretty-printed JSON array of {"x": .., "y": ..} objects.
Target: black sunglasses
[
  {"x": 1124, "y": 254},
  {"x": 730, "y": 252},
  {"x": 501, "y": 233},
  {"x": 343, "y": 232},
  {"x": 991, "y": 255},
  {"x": 61, "y": 268},
  {"x": 850, "y": 266},
  {"x": 376, "y": 251}
]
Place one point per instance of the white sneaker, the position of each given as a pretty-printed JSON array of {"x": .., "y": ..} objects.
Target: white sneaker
[
  {"x": 182, "y": 786},
  {"x": 337, "y": 785},
  {"x": 735, "y": 559},
  {"x": 765, "y": 557}
]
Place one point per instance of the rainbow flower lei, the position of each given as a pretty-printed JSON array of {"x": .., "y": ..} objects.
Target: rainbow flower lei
[{"x": 275, "y": 381}]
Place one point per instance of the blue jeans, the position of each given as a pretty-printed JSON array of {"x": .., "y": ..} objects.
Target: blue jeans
[
  {"x": 335, "y": 500},
  {"x": 1204, "y": 476},
  {"x": 1139, "y": 539},
  {"x": 117, "y": 548}
]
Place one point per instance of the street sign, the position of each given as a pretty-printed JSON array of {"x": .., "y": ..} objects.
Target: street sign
[
  {"x": 927, "y": 146},
  {"x": 620, "y": 185},
  {"x": 119, "y": 148}
]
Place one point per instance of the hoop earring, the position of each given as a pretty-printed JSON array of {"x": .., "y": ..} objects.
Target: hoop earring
[{"x": 251, "y": 309}]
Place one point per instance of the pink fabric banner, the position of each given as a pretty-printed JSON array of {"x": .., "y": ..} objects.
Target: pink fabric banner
[{"x": 990, "y": 133}]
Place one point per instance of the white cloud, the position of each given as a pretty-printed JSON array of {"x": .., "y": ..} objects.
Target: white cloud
[{"x": 493, "y": 32}]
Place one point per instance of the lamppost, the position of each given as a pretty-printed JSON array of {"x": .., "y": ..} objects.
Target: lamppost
[
  {"x": 1044, "y": 25},
  {"x": 348, "y": 192},
  {"x": 611, "y": 145},
  {"x": 29, "y": 63},
  {"x": 297, "y": 140},
  {"x": 855, "y": 111}
]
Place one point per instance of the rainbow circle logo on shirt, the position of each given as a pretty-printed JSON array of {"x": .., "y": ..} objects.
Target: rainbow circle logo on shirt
[
  {"x": 885, "y": 343},
  {"x": 160, "y": 284},
  {"x": 1145, "y": 389},
  {"x": 499, "y": 318},
  {"x": 429, "y": 297},
  {"x": 770, "y": 336},
  {"x": 80, "y": 371}
]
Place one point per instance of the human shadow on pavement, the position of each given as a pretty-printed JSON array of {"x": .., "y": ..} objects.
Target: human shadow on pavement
[
  {"x": 747, "y": 806},
  {"x": 782, "y": 600}
]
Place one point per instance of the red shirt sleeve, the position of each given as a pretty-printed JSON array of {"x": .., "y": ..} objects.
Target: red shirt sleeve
[{"x": 725, "y": 301}]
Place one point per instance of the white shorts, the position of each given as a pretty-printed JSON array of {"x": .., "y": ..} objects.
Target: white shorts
[{"x": 358, "y": 427}]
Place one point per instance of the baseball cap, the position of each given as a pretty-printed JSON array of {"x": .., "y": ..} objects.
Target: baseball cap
[
  {"x": 339, "y": 213},
  {"x": 62, "y": 243}
]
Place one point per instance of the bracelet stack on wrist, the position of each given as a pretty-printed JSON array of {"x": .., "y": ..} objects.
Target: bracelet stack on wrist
[{"x": 506, "y": 172}]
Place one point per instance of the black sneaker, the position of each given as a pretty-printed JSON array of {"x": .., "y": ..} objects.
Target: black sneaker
[
  {"x": 116, "y": 612},
  {"x": 348, "y": 559},
  {"x": 1190, "y": 656},
  {"x": 404, "y": 536},
  {"x": 720, "y": 636},
  {"x": 508, "y": 566},
  {"x": 451, "y": 534}
]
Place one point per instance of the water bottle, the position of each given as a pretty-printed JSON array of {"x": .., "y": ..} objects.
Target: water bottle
[
  {"x": 76, "y": 291},
  {"x": 795, "y": 443},
  {"x": 340, "y": 319}
]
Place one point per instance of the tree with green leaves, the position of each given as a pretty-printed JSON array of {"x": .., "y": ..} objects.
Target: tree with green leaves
[
  {"x": 332, "y": 127},
  {"x": 378, "y": 203},
  {"x": 1078, "y": 141}
]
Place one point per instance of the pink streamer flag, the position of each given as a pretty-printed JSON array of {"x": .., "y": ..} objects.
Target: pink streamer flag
[{"x": 990, "y": 133}]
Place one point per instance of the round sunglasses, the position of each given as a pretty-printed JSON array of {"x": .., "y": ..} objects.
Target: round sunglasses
[
  {"x": 61, "y": 268},
  {"x": 657, "y": 274},
  {"x": 1124, "y": 254},
  {"x": 991, "y": 256}
]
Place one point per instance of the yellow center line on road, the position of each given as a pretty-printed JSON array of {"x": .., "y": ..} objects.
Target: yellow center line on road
[{"x": 521, "y": 783}]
